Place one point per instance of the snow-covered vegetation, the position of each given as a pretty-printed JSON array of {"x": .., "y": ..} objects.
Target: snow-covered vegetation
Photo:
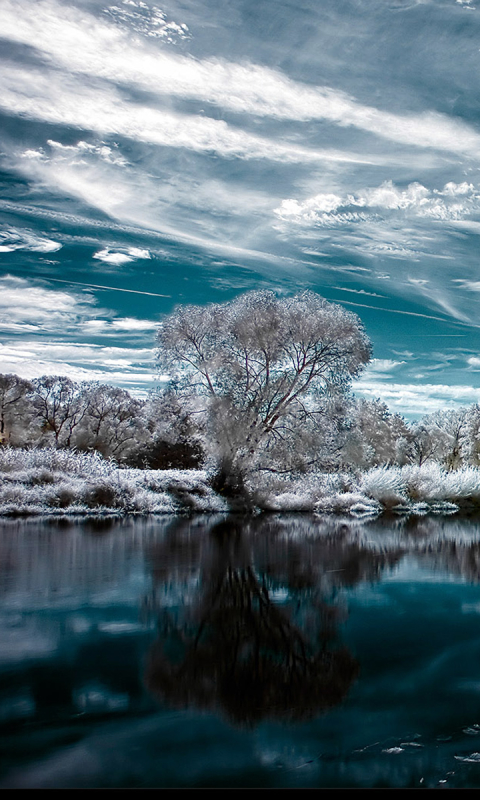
[
  {"x": 62, "y": 482},
  {"x": 59, "y": 482},
  {"x": 257, "y": 414}
]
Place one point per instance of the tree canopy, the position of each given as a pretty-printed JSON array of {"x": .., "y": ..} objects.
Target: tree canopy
[{"x": 265, "y": 366}]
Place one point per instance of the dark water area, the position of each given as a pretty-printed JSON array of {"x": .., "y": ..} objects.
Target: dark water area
[{"x": 275, "y": 651}]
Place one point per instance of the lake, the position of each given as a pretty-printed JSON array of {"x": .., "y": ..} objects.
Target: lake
[{"x": 216, "y": 651}]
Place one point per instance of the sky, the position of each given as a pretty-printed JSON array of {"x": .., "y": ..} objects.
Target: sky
[{"x": 188, "y": 152}]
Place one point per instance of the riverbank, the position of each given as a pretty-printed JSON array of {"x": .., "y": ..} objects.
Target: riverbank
[{"x": 49, "y": 482}]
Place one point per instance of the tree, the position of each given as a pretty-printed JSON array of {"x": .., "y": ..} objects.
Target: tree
[
  {"x": 112, "y": 423},
  {"x": 15, "y": 410},
  {"x": 265, "y": 366},
  {"x": 173, "y": 436},
  {"x": 376, "y": 437},
  {"x": 443, "y": 436},
  {"x": 60, "y": 405}
]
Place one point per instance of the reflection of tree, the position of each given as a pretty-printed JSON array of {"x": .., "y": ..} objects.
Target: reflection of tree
[{"x": 237, "y": 649}]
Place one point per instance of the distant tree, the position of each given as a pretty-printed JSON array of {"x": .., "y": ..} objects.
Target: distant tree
[
  {"x": 15, "y": 410},
  {"x": 60, "y": 405},
  {"x": 442, "y": 436},
  {"x": 471, "y": 440},
  {"x": 263, "y": 365},
  {"x": 112, "y": 423},
  {"x": 376, "y": 436},
  {"x": 174, "y": 435}
]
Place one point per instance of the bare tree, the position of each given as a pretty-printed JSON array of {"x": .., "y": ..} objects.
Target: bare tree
[
  {"x": 112, "y": 423},
  {"x": 60, "y": 405},
  {"x": 264, "y": 365}
]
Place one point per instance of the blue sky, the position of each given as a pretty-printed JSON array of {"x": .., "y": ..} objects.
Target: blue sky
[{"x": 190, "y": 151}]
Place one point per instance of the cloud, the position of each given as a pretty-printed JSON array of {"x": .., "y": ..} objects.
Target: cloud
[
  {"x": 417, "y": 399},
  {"x": 27, "y": 308},
  {"x": 104, "y": 151},
  {"x": 149, "y": 21},
  {"x": 130, "y": 324},
  {"x": 65, "y": 100},
  {"x": 24, "y": 304},
  {"x": 383, "y": 365},
  {"x": 121, "y": 256},
  {"x": 21, "y": 239},
  {"x": 452, "y": 202},
  {"x": 472, "y": 286},
  {"x": 81, "y": 43},
  {"x": 204, "y": 211},
  {"x": 358, "y": 291},
  {"x": 80, "y": 362}
]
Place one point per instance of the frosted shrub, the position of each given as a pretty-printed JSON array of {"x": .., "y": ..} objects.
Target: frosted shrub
[
  {"x": 384, "y": 484},
  {"x": 463, "y": 484},
  {"x": 431, "y": 483},
  {"x": 426, "y": 483},
  {"x": 48, "y": 458},
  {"x": 353, "y": 503}
]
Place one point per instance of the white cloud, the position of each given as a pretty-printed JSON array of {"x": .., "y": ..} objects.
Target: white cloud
[
  {"x": 452, "y": 202},
  {"x": 149, "y": 21},
  {"x": 417, "y": 399},
  {"x": 117, "y": 365},
  {"x": 472, "y": 286},
  {"x": 121, "y": 256},
  {"x": 129, "y": 324},
  {"x": 23, "y": 304},
  {"x": 78, "y": 42},
  {"x": 20, "y": 239},
  {"x": 104, "y": 151},
  {"x": 26, "y": 308},
  {"x": 132, "y": 195},
  {"x": 64, "y": 100},
  {"x": 382, "y": 365}
]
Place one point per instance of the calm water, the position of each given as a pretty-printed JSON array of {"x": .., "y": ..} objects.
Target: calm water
[{"x": 277, "y": 651}]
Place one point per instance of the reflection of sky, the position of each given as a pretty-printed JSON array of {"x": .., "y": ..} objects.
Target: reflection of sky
[{"x": 185, "y": 153}]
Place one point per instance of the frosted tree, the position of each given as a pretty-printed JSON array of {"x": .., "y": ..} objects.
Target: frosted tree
[
  {"x": 173, "y": 431},
  {"x": 441, "y": 436},
  {"x": 112, "y": 422},
  {"x": 15, "y": 410},
  {"x": 60, "y": 405},
  {"x": 377, "y": 436},
  {"x": 264, "y": 366},
  {"x": 471, "y": 436}
]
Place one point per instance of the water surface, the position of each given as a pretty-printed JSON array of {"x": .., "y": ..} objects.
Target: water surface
[{"x": 276, "y": 651}]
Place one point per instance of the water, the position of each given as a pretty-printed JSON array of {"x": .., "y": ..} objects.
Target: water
[{"x": 278, "y": 651}]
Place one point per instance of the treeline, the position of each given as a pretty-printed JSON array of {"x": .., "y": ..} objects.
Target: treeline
[
  {"x": 87, "y": 416},
  {"x": 450, "y": 437},
  {"x": 162, "y": 432}
]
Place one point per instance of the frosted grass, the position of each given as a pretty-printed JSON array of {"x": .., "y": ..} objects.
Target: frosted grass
[{"x": 63, "y": 482}]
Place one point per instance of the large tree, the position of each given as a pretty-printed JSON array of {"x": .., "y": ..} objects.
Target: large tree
[{"x": 267, "y": 367}]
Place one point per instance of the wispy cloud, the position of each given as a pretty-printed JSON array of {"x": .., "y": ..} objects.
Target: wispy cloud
[
  {"x": 64, "y": 100},
  {"x": 24, "y": 304},
  {"x": 26, "y": 307},
  {"x": 116, "y": 365},
  {"x": 79, "y": 43},
  {"x": 417, "y": 399},
  {"x": 15, "y": 239}
]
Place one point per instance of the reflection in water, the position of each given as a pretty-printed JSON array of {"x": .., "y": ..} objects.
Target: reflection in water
[
  {"x": 237, "y": 650},
  {"x": 367, "y": 630}
]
